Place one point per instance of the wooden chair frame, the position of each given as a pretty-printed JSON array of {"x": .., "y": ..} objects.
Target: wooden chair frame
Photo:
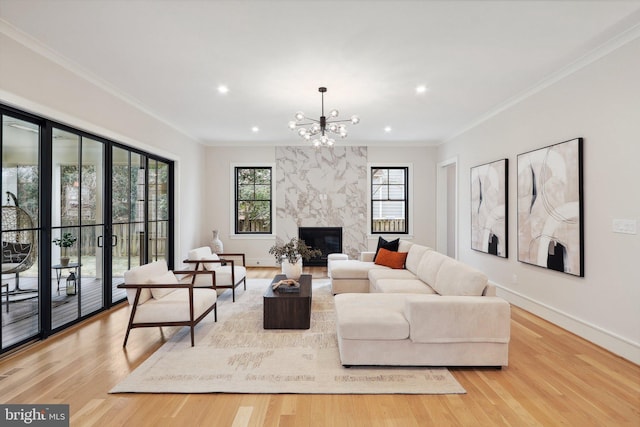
[
  {"x": 222, "y": 261},
  {"x": 191, "y": 323}
]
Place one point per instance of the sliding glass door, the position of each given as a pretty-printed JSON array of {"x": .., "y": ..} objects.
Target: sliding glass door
[
  {"x": 77, "y": 220},
  {"x": 20, "y": 230},
  {"x": 77, "y": 212},
  {"x": 127, "y": 215}
]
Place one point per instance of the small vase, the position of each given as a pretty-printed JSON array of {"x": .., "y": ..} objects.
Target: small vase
[
  {"x": 216, "y": 244},
  {"x": 64, "y": 261},
  {"x": 292, "y": 270}
]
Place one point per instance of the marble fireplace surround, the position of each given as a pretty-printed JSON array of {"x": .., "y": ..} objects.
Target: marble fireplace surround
[{"x": 324, "y": 187}]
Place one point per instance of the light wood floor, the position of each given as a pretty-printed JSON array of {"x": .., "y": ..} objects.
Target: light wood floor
[{"x": 554, "y": 378}]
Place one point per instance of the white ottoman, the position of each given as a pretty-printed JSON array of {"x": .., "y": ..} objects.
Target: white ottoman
[{"x": 335, "y": 257}]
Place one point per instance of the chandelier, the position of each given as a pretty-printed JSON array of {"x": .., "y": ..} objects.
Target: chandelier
[{"x": 317, "y": 131}]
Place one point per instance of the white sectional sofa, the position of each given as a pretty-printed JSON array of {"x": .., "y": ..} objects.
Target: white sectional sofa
[{"x": 435, "y": 312}]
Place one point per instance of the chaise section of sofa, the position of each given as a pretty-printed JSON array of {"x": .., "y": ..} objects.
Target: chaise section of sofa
[
  {"x": 437, "y": 311},
  {"x": 422, "y": 330}
]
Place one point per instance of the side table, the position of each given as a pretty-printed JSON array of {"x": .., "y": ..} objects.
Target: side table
[{"x": 59, "y": 267}]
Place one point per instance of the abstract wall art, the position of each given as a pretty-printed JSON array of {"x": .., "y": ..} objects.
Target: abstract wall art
[
  {"x": 489, "y": 195},
  {"x": 550, "y": 209}
]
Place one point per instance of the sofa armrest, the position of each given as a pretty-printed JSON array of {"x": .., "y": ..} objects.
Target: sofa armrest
[
  {"x": 448, "y": 319},
  {"x": 367, "y": 256}
]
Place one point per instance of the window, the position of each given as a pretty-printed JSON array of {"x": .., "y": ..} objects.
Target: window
[
  {"x": 389, "y": 200},
  {"x": 253, "y": 200}
]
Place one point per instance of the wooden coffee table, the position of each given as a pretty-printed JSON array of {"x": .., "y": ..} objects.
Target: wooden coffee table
[{"x": 291, "y": 310}]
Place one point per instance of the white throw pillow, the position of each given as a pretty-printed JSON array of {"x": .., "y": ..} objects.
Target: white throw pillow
[
  {"x": 210, "y": 266},
  {"x": 167, "y": 278}
]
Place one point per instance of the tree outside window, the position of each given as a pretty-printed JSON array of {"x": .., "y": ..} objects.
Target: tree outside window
[{"x": 253, "y": 200}]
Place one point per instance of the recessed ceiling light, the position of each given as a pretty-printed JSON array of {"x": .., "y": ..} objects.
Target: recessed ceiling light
[
  {"x": 387, "y": 128},
  {"x": 255, "y": 129},
  {"x": 421, "y": 89},
  {"x": 223, "y": 89}
]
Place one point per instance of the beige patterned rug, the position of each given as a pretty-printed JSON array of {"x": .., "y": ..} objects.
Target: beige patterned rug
[{"x": 236, "y": 355}]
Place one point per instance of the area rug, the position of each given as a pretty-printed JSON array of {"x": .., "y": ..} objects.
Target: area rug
[{"x": 236, "y": 355}]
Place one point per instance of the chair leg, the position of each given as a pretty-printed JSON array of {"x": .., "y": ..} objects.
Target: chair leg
[
  {"x": 126, "y": 337},
  {"x": 245, "y": 283},
  {"x": 192, "y": 335},
  {"x": 215, "y": 313},
  {"x": 233, "y": 294}
]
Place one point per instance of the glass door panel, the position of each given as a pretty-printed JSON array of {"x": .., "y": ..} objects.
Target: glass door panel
[
  {"x": 158, "y": 214},
  {"x": 19, "y": 231},
  {"x": 127, "y": 216},
  {"x": 92, "y": 194},
  {"x": 77, "y": 221}
]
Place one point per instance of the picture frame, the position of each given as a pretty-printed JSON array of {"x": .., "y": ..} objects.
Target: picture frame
[
  {"x": 489, "y": 207},
  {"x": 550, "y": 207}
]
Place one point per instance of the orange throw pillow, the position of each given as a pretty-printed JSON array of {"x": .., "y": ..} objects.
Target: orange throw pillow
[{"x": 391, "y": 259}]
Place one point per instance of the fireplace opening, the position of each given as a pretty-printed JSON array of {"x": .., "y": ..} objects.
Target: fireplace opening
[{"x": 327, "y": 239}]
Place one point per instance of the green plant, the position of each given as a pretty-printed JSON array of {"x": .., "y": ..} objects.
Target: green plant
[
  {"x": 293, "y": 250},
  {"x": 66, "y": 241}
]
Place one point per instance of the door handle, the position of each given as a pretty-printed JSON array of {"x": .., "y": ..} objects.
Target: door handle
[
  {"x": 114, "y": 240},
  {"x": 99, "y": 241}
]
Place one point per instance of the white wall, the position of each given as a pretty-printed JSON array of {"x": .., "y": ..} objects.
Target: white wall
[
  {"x": 600, "y": 103},
  {"x": 32, "y": 82},
  {"x": 422, "y": 192},
  {"x": 218, "y": 194},
  {"x": 218, "y": 200}
]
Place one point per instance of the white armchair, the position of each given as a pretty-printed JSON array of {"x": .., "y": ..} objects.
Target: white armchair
[
  {"x": 229, "y": 273},
  {"x": 158, "y": 299}
]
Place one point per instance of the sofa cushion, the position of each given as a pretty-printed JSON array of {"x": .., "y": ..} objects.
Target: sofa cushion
[
  {"x": 387, "y": 273},
  {"x": 429, "y": 266},
  {"x": 139, "y": 276},
  {"x": 401, "y": 286},
  {"x": 371, "y": 316},
  {"x": 167, "y": 278},
  {"x": 404, "y": 245},
  {"x": 456, "y": 279},
  {"x": 390, "y": 259},
  {"x": 352, "y": 269},
  {"x": 391, "y": 246},
  {"x": 414, "y": 256}
]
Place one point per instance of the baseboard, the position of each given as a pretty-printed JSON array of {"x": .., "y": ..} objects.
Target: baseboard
[
  {"x": 616, "y": 344},
  {"x": 261, "y": 262}
]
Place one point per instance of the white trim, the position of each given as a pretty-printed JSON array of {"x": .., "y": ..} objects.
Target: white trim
[
  {"x": 232, "y": 202},
  {"x": 410, "y": 215},
  {"x": 75, "y": 68},
  {"x": 441, "y": 206},
  {"x": 612, "y": 342},
  {"x": 586, "y": 59}
]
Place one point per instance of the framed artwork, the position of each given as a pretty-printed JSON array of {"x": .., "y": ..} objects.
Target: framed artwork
[
  {"x": 550, "y": 224},
  {"x": 489, "y": 195}
]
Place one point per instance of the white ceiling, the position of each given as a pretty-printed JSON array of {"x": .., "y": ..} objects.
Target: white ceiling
[{"x": 169, "y": 57}]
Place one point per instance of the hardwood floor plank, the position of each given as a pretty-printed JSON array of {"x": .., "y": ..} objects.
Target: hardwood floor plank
[{"x": 554, "y": 378}]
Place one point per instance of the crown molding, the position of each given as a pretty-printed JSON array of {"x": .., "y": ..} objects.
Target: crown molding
[
  {"x": 602, "y": 50},
  {"x": 41, "y": 49}
]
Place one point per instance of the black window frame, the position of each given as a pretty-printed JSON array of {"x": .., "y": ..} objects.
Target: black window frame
[
  {"x": 405, "y": 198},
  {"x": 237, "y": 200}
]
